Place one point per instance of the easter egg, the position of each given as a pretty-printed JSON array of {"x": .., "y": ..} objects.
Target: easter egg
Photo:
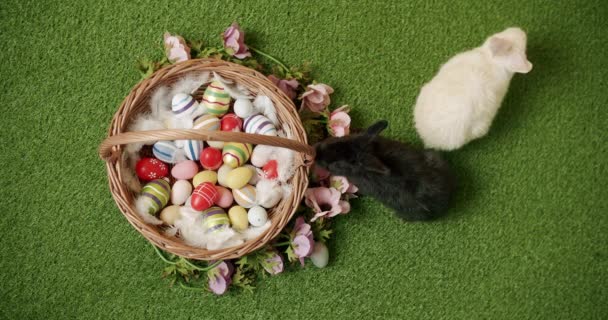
[
  {"x": 211, "y": 158},
  {"x": 158, "y": 192},
  {"x": 238, "y": 177},
  {"x": 320, "y": 255},
  {"x": 235, "y": 154},
  {"x": 261, "y": 155},
  {"x": 148, "y": 169},
  {"x": 245, "y": 196},
  {"x": 215, "y": 99},
  {"x": 222, "y": 174},
  {"x": 215, "y": 218},
  {"x": 184, "y": 170},
  {"x": 204, "y": 176},
  {"x": 170, "y": 214},
  {"x": 167, "y": 151},
  {"x": 231, "y": 122},
  {"x": 225, "y": 198},
  {"x": 207, "y": 122},
  {"x": 243, "y": 108},
  {"x": 193, "y": 149},
  {"x": 183, "y": 105},
  {"x": 180, "y": 192},
  {"x": 270, "y": 170},
  {"x": 257, "y": 216},
  {"x": 204, "y": 196},
  {"x": 238, "y": 218},
  {"x": 255, "y": 174},
  {"x": 259, "y": 124},
  {"x": 268, "y": 193}
]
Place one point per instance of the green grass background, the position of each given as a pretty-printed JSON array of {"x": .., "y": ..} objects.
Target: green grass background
[{"x": 526, "y": 238}]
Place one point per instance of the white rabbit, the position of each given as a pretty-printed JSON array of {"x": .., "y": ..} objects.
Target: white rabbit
[{"x": 459, "y": 104}]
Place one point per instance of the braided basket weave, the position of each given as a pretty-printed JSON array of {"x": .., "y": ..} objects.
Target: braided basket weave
[{"x": 137, "y": 101}]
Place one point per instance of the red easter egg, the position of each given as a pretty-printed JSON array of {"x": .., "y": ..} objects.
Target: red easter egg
[
  {"x": 149, "y": 169},
  {"x": 270, "y": 170},
  {"x": 204, "y": 196},
  {"x": 231, "y": 122},
  {"x": 211, "y": 158}
]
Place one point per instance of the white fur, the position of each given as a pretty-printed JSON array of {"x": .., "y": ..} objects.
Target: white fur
[{"x": 459, "y": 104}]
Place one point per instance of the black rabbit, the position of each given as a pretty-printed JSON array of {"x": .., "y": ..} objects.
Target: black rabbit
[{"x": 416, "y": 183}]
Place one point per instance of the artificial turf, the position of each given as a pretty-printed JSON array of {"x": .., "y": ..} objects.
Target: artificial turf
[{"x": 527, "y": 235}]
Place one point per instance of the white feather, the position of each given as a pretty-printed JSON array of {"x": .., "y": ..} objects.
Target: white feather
[
  {"x": 235, "y": 91},
  {"x": 264, "y": 105},
  {"x": 189, "y": 84},
  {"x": 141, "y": 206}
]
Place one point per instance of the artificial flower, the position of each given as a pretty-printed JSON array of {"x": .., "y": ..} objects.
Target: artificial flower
[
  {"x": 325, "y": 202},
  {"x": 316, "y": 98},
  {"x": 339, "y": 122},
  {"x": 220, "y": 277},
  {"x": 288, "y": 86},
  {"x": 273, "y": 263},
  {"x": 176, "y": 48},
  {"x": 234, "y": 39},
  {"x": 303, "y": 241}
]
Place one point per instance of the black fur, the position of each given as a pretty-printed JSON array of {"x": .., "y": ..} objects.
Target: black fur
[{"x": 416, "y": 183}]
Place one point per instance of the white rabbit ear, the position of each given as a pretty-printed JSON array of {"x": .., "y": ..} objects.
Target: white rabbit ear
[
  {"x": 517, "y": 62},
  {"x": 499, "y": 46}
]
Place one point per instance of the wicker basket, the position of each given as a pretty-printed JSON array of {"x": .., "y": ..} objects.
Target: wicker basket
[{"x": 136, "y": 102}]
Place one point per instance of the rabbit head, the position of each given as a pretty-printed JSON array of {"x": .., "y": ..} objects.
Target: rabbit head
[
  {"x": 353, "y": 154},
  {"x": 508, "y": 49}
]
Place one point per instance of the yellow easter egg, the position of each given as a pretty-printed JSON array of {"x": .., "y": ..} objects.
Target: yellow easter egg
[
  {"x": 214, "y": 219},
  {"x": 238, "y": 177},
  {"x": 245, "y": 196},
  {"x": 215, "y": 99},
  {"x": 204, "y": 176},
  {"x": 236, "y": 154},
  {"x": 170, "y": 214},
  {"x": 238, "y": 218}
]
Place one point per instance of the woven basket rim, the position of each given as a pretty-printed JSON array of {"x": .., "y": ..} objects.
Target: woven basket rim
[{"x": 135, "y": 102}]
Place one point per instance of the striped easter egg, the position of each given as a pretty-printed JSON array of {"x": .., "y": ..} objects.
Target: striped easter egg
[
  {"x": 167, "y": 151},
  {"x": 210, "y": 123},
  {"x": 215, "y": 218},
  {"x": 183, "y": 105},
  {"x": 193, "y": 149},
  {"x": 236, "y": 154},
  {"x": 260, "y": 125},
  {"x": 203, "y": 196},
  {"x": 245, "y": 196},
  {"x": 158, "y": 192},
  {"x": 215, "y": 99}
]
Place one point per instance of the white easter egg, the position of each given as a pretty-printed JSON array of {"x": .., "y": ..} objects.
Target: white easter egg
[
  {"x": 167, "y": 151},
  {"x": 259, "y": 124},
  {"x": 183, "y": 105},
  {"x": 257, "y": 216},
  {"x": 268, "y": 193},
  {"x": 180, "y": 192},
  {"x": 261, "y": 155},
  {"x": 222, "y": 175},
  {"x": 320, "y": 255},
  {"x": 243, "y": 108},
  {"x": 193, "y": 149}
]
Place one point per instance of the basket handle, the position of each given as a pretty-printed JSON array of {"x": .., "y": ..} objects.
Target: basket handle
[{"x": 107, "y": 151}]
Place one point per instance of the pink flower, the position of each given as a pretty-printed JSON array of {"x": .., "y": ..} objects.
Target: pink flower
[
  {"x": 303, "y": 242},
  {"x": 287, "y": 86},
  {"x": 273, "y": 263},
  {"x": 316, "y": 97},
  {"x": 220, "y": 277},
  {"x": 325, "y": 202},
  {"x": 344, "y": 186},
  {"x": 339, "y": 122},
  {"x": 176, "y": 48},
  {"x": 234, "y": 39}
]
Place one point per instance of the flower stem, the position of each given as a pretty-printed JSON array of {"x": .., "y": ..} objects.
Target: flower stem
[
  {"x": 209, "y": 267},
  {"x": 162, "y": 256},
  {"x": 282, "y": 244},
  {"x": 266, "y": 55}
]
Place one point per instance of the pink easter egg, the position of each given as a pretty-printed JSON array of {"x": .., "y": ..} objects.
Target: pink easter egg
[
  {"x": 184, "y": 170},
  {"x": 225, "y": 199}
]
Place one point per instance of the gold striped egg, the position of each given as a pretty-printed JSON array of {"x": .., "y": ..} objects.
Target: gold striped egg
[
  {"x": 157, "y": 192},
  {"x": 236, "y": 154},
  {"x": 210, "y": 123},
  {"x": 215, "y": 218},
  {"x": 245, "y": 196},
  {"x": 215, "y": 99}
]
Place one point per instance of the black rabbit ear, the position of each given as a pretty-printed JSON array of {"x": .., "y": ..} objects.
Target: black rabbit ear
[
  {"x": 373, "y": 164},
  {"x": 376, "y": 128}
]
